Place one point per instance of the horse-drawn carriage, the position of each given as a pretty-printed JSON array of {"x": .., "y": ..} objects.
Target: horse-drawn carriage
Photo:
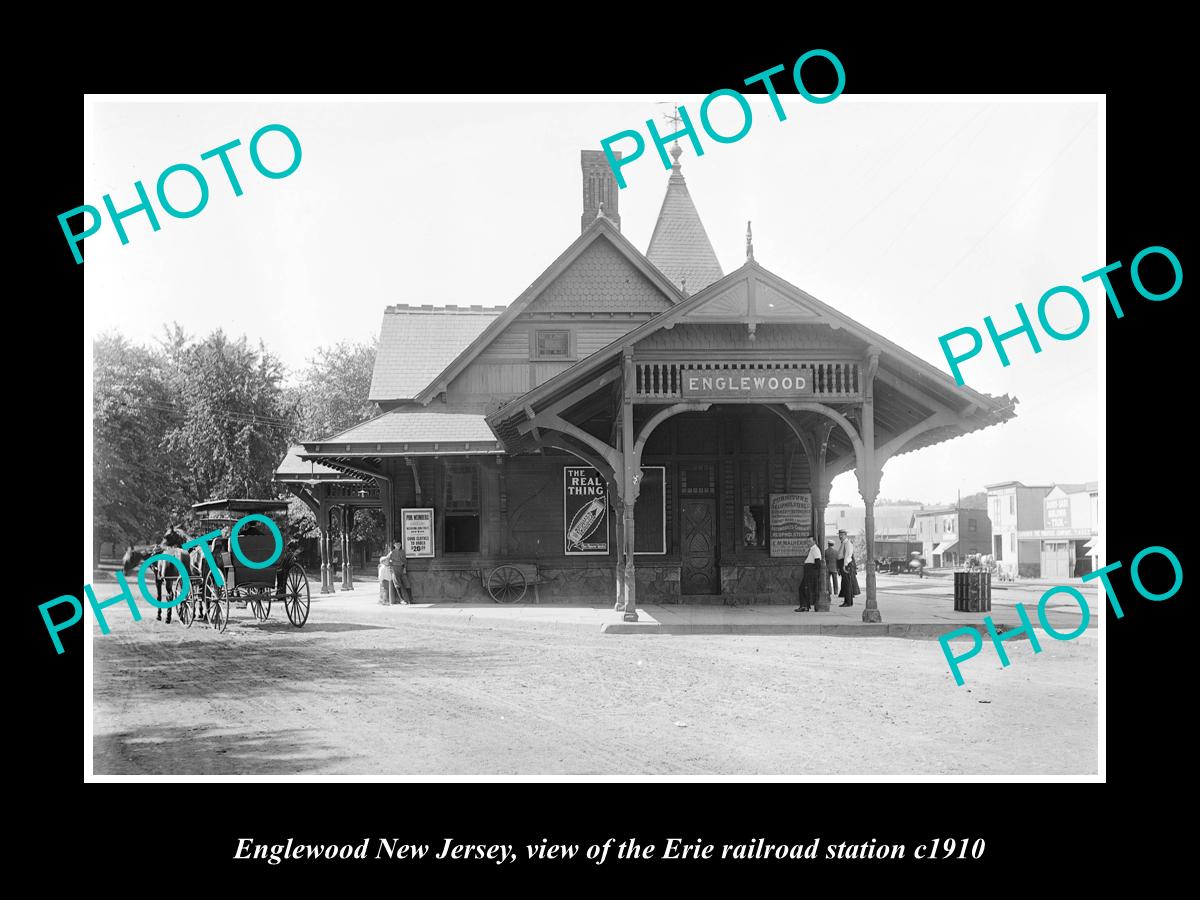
[{"x": 275, "y": 574}]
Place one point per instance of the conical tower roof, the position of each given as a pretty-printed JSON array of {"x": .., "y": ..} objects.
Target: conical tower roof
[{"x": 679, "y": 246}]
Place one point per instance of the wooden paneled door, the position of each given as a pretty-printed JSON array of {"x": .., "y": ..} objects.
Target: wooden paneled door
[{"x": 699, "y": 573}]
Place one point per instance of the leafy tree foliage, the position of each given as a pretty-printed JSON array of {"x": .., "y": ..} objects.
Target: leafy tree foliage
[
  {"x": 236, "y": 421},
  {"x": 194, "y": 419},
  {"x": 332, "y": 392},
  {"x": 135, "y": 479}
]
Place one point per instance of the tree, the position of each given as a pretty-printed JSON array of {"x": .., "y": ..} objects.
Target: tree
[
  {"x": 236, "y": 420},
  {"x": 331, "y": 396},
  {"x": 332, "y": 392},
  {"x": 136, "y": 492}
]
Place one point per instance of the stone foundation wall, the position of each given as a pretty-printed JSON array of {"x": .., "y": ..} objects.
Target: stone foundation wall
[{"x": 657, "y": 583}]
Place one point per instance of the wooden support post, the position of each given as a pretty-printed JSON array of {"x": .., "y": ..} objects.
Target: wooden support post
[
  {"x": 868, "y": 483},
  {"x": 821, "y": 499},
  {"x": 323, "y": 541},
  {"x": 631, "y": 479},
  {"x": 347, "y": 547},
  {"x": 619, "y": 570}
]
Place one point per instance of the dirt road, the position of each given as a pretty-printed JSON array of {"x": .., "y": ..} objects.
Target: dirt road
[{"x": 371, "y": 690}]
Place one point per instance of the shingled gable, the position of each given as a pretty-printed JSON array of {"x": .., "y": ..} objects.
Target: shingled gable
[
  {"x": 416, "y": 342},
  {"x": 774, "y": 301},
  {"x": 600, "y": 229}
]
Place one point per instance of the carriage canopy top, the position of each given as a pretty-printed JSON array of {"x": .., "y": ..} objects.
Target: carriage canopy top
[{"x": 220, "y": 509}]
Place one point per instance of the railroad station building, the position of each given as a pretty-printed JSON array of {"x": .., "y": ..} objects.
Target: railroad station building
[{"x": 634, "y": 427}]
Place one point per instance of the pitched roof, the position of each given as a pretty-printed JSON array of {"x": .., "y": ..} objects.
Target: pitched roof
[
  {"x": 415, "y": 343},
  {"x": 790, "y": 303},
  {"x": 600, "y": 229},
  {"x": 410, "y": 431},
  {"x": 1078, "y": 488},
  {"x": 293, "y": 468},
  {"x": 679, "y": 245}
]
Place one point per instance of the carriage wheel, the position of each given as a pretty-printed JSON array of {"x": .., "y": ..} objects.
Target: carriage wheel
[
  {"x": 184, "y": 609},
  {"x": 216, "y": 604},
  {"x": 296, "y": 599},
  {"x": 260, "y": 605},
  {"x": 506, "y": 584}
]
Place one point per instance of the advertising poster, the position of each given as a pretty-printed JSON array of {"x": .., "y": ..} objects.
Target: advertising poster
[
  {"x": 791, "y": 524},
  {"x": 417, "y": 525},
  {"x": 585, "y": 512}
]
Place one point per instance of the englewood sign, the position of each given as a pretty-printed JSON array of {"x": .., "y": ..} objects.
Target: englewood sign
[{"x": 767, "y": 383}]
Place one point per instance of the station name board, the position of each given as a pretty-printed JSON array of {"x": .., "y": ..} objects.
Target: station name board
[{"x": 749, "y": 383}]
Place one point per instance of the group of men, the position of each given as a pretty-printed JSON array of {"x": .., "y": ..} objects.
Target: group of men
[{"x": 840, "y": 566}]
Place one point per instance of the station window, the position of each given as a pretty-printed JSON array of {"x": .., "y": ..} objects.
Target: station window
[
  {"x": 971, "y": 525},
  {"x": 754, "y": 504},
  {"x": 550, "y": 345},
  {"x": 461, "y": 505}
]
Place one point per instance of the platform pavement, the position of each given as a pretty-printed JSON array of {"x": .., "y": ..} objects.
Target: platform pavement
[{"x": 904, "y": 614}]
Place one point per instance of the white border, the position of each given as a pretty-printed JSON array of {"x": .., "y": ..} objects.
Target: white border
[{"x": 1101, "y": 600}]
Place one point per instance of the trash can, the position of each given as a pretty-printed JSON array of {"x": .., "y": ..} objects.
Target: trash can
[{"x": 973, "y": 591}]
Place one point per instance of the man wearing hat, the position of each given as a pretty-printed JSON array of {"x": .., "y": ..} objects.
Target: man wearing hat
[
  {"x": 831, "y": 567},
  {"x": 847, "y": 569}
]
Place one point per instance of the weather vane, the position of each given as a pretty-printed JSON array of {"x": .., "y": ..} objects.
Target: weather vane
[{"x": 672, "y": 117}]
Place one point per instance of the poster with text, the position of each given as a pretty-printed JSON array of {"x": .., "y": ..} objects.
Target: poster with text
[
  {"x": 585, "y": 512},
  {"x": 417, "y": 528},
  {"x": 791, "y": 524}
]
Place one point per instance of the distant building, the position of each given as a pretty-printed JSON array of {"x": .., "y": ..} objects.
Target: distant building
[
  {"x": 1071, "y": 518},
  {"x": 1044, "y": 531},
  {"x": 891, "y": 519},
  {"x": 1014, "y": 508},
  {"x": 949, "y": 534}
]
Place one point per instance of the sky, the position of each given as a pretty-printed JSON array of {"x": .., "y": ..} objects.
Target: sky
[{"x": 913, "y": 218}]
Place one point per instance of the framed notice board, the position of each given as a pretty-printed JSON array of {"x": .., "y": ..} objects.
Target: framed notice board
[
  {"x": 585, "y": 512},
  {"x": 417, "y": 532},
  {"x": 791, "y": 524}
]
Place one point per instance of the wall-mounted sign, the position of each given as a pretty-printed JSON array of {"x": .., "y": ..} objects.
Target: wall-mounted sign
[
  {"x": 767, "y": 383},
  {"x": 791, "y": 524},
  {"x": 417, "y": 532},
  {"x": 1058, "y": 513},
  {"x": 585, "y": 512}
]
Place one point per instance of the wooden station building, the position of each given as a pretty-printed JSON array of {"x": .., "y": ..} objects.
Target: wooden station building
[{"x": 634, "y": 425}]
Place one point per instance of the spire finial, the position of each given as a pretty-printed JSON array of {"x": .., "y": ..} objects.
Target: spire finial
[
  {"x": 600, "y": 211},
  {"x": 683, "y": 285},
  {"x": 673, "y": 118},
  {"x": 749, "y": 244}
]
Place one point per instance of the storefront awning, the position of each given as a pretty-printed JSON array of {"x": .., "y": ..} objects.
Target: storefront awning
[
  {"x": 1091, "y": 545},
  {"x": 945, "y": 548}
]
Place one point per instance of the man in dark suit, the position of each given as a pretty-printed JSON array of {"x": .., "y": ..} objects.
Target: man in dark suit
[{"x": 832, "y": 567}]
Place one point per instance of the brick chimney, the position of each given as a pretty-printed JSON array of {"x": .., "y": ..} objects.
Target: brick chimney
[{"x": 599, "y": 187}]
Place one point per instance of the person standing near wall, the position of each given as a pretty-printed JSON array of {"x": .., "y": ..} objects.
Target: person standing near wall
[
  {"x": 810, "y": 585},
  {"x": 400, "y": 580},
  {"x": 831, "y": 567},
  {"x": 849, "y": 570}
]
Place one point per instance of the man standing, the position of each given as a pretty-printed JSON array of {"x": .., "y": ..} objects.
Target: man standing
[
  {"x": 399, "y": 564},
  {"x": 847, "y": 568},
  {"x": 831, "y": 567}
]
